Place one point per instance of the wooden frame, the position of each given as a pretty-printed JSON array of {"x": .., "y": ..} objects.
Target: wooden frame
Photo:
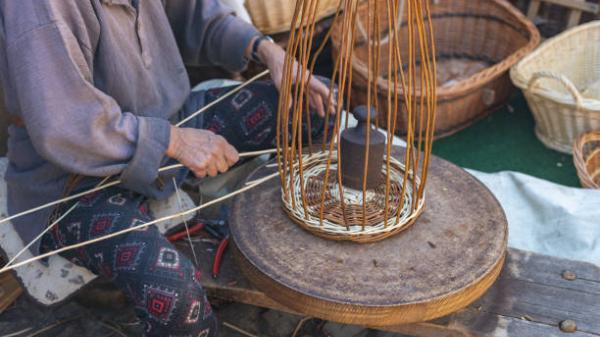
[
  {"x": 576, "y": 9},
  {"x": 532, "y": 296}
]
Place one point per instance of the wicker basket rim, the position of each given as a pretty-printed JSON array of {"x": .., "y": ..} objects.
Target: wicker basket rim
[
  {"x": 522, "y": 82},
  {"x": 475, "y": 81},
  {"x": 580, "y": 161},
  {"x": 588, "y": 106}
]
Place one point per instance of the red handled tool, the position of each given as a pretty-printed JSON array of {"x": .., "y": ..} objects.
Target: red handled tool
[{"x": 217, "y": 229}]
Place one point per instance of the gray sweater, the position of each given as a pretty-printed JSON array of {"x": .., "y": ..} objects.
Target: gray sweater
[{"x": 96, "y": 83}]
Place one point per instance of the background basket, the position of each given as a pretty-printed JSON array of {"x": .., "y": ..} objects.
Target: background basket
[
  {"x": 275, "y": 16},
  {"x": 477, "y": 43},
  {"x": 586, "y": 155},
  {"x": 561, "y": 82}
]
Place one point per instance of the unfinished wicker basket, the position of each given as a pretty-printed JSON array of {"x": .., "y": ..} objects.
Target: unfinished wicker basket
[
  {"x": 275, "y": 16},
  {"x": 586, "y": 155},
  {"x": 561, "y": 82},
  {"x": 476, "y": 44}
]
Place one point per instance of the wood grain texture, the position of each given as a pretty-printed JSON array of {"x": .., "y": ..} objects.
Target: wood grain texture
[
  {"x": 445, "y": 261},
  {"x": 506, "y": 309}
]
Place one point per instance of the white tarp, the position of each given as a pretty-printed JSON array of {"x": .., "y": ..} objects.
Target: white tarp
[{"x": 548, "y": 218}]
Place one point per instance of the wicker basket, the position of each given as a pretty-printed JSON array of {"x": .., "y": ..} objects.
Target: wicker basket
[
  {"x": 275, "y": 16},
  {"x": 477, "y": 42},
  {"x": 558, "y": 80},
  {"x": 586, "y": 155}
]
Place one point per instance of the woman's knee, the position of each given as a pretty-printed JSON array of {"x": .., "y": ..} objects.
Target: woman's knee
[{"x": 184, "y": 311}]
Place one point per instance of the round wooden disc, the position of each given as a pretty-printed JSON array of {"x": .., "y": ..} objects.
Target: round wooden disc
[{"x": 446, "y": 260}]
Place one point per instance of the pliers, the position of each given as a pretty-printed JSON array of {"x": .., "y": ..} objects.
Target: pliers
[{"x": 217, "y": 229}]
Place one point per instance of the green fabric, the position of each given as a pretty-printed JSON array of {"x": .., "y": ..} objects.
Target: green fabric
[{"x": 505, "y": 140}]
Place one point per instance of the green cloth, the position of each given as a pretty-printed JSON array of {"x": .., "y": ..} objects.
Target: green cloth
[{"x": 505, "y": 140}]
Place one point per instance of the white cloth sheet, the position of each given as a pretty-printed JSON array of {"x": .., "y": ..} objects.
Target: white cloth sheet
[{"x": 548, "y": 218}]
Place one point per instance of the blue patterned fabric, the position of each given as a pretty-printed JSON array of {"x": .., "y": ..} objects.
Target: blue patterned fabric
[
  {"x": 248, "y": 119},
  {"x": 162, "y": 283}
]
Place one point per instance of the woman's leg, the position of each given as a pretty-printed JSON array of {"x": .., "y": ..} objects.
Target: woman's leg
[
  {"x": 248, "y": 119},
  {"x": 162, "y": 283}
]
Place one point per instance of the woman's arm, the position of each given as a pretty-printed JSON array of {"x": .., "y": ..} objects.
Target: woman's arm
[
  {"x": 70, "y": 122},
  {"x": 207, "y": 32}
]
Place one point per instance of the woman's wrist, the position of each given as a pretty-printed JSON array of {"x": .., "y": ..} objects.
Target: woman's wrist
[
  {"x": 173, "y": 147},
  {"x": 260, "y": 49}
]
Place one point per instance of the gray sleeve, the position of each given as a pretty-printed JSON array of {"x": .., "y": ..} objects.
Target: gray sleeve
[
  {"x": 207, "y": 32},
  {"x": 73, "y": 124}
]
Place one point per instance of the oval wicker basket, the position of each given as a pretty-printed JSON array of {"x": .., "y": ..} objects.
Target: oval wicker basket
[
  {"x": 561, "y": 82},
  {"x": 476, "y": 44},
  {"x": 275, "y": 16},
  {"x": 586, "y": 155}
]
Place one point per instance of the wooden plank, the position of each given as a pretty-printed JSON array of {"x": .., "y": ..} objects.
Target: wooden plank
[
  {"x": 580, "y": 5},
  {"x": 534, "y": 8},
  {"x": 576, "y": 8},
  {"x": 529, "y": 299},
  {"x": 10, "y": 290},
  {"x": 574, "y": 15}
]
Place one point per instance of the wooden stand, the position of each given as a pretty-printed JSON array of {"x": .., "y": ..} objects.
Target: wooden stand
[
  {"x": 575, "y": 7},
  {"x": 445, "y": 261}
]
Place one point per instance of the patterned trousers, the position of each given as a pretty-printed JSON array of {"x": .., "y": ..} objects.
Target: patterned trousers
[{"x": 163, "y": 285}]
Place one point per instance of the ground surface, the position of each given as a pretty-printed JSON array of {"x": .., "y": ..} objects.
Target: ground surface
[
  {"x": 505, "y": 140},
  {"x": 75, "y": 319}
]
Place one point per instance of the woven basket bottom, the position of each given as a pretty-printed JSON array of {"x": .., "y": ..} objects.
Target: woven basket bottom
[
  {"x": 551, "y": 142},
  {"x": 324, "y": 208}
]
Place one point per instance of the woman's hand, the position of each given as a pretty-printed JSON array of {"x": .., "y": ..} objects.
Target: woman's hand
[
  {"x": 202, "y": 151},
  {"x": 273, "y": 56}
]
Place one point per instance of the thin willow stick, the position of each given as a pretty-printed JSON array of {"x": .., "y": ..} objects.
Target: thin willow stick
[
  {"x": 141, "y": 226},
  {"x": 185, "y": 223},
  {"x": 47, "y": 229},
  {"x": 238, "y": 330},
  {"x": 17, "y": 333}
]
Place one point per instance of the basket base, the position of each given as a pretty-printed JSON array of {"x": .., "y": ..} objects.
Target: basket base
[
  {"x": 447, "y": 259},
  {"x": 552, "y": 143}
]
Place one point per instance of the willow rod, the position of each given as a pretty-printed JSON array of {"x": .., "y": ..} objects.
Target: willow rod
[{"x": 141, "y": 226}]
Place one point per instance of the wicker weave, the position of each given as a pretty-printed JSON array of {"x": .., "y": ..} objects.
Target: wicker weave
[
  {"x": 586, "y": 155},
  {"x": 275, "y": 16},
  {"x": 476, "y": 44},
  {"x": 557, "y": 80}
]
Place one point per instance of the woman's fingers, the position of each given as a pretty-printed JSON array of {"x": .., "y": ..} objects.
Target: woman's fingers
[
  {"x": 316, "y": 102},
  {"x": 321, "y": 90},
  {"x": 212, "y": 169},
  {"x": 231, "y": 155}
]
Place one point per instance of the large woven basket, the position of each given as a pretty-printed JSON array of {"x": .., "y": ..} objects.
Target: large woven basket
[
  {"x": 561, "y": 82},
  {"x": 586, "y": 155},
  {"x": 477, "y": 41},
  {"x": 275, "y": 16}
]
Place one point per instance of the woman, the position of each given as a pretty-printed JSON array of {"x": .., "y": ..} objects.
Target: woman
[{"x": 93, "y": 88}]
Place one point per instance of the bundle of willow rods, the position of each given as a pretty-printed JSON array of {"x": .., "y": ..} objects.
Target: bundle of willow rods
[{"x": 381, "y": 20}]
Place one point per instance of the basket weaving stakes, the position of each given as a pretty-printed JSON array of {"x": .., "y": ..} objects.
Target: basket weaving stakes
[{"x": 349, "y": 232}]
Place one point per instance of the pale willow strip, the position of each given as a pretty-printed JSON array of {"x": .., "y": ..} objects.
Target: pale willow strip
[
  {"x": 114, "y": 183},
  {"x": 102, "y": 184},
  {"x": 144, "y": 225}
]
